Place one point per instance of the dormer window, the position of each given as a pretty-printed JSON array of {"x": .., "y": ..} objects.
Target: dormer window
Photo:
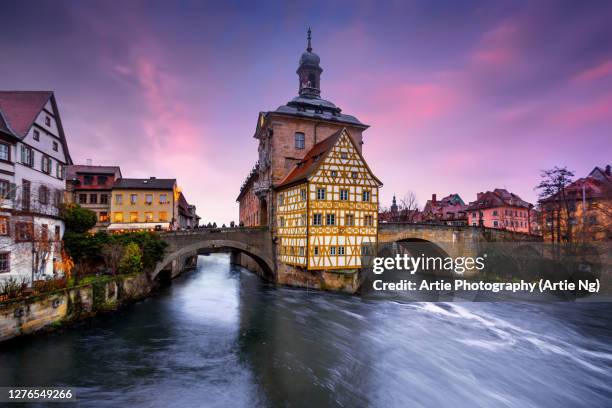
[
  {"x": 47, "y": 121},
  {"x": 36, "y": 135},
  {"x": 55, "y": 146}
]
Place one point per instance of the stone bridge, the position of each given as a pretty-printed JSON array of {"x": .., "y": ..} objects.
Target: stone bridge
[
  {"x": 253, "y": 248},
  {"x": 254, "y": 243},
  {"x": 454, "y": 241}
]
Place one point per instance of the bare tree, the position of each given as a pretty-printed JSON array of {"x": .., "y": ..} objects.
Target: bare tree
[
  {"x": 113, "y": 253},
  {"x": 408, "y": 208},
  {"x": 554, "y": 200}
]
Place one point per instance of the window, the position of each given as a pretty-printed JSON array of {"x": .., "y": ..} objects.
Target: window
[
  {"x": 5, "y": 189},
  {"x": 299, "y": 140},
  {"x": 5, "y": 262},
  {"x": 118, "y": 199},
  {"x": 495, "y": 224},
  {"x": 354, "y": 174},
  {"x": 344, "y": 155},
  {"x": 321, "y": 193},
  {"x": 281, "y": 199},
  {"x": 303, "y": 220},
  {"x": 282, "y": 221},
  {"x": 303, "y": 194},
  {"x": 343, "y": 195},
  {"x": 36, "y": 135},
  {"x": 93, "y": 198},
  {"x": 330, "y": 219},
  {"x": 133, "y": 198},
  {"x": 163, "y": 198},
  {"x": 340, "y": 250},
  {"x": 102, "y": 180},
  {"x": 58, "y": 197},
  {"x": 103, "y": 198},
  {"x": 23, "y": 231},
  {"x": 334, "y": 173},
  {"x": 148, "y": 216},
  {"x": 4, "y": 225},
  {"x": 133, "y": 216},
  {"x": 58, "y": 233},
  {"x": 163, "y": 216},
  {"x": 368, "y": 221},
  {"x": 45, "y": 164},
  {"x": 317, "y": 219},
  {"x": 315, "y": 251},
  {"x": 59, "y": 170},
  {"x": 495, "y": 213},
  {"x": 103, "y": 217},
  {"x": 365, "y": 250},
  {"x": 88, "y": 180},
  {"x": 365, "y": 195},
  {"x": 47, "y": 121},
  {"x": 301, "y": 249},
  {"x": 149, "y": 199},
  {"x": 349, "y": 220},
  {"x": 27, "y": 156},
  {"x": 44, "y": 232},
  {"x": 5, "y": 152},
  {"x": 118, "y": 217},
  {"x": 55, "y": 147},
  {"x": 82, "y": 198},
  {"x": 25, "y": 195},
  {"x": 43, "y": 195},
  {"x": 332, "y": 250}
]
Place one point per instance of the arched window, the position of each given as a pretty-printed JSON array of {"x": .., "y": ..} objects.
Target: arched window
[
  {"x": 299, "y": 140},
  {"x": 312, "y": 80}
]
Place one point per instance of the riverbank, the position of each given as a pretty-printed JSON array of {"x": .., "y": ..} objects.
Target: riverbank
[{"x": 52, "y": 310}]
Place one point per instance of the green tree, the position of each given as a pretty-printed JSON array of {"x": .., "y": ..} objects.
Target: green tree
[
  {"x": 78, "y": 219},
  {"x": 132, "y": 259}
]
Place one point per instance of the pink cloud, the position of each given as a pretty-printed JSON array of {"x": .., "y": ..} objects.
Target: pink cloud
[
  {"x": 588, "y": 113},
  {"x": 601, "y": 70},
  {"x": 499, "y": 46}
]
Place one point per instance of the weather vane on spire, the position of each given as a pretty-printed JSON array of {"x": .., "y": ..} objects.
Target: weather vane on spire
[{"x": 309, "y": 49}]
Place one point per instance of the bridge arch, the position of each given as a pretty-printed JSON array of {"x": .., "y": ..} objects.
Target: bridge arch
[{"x": 260, "y": 258}]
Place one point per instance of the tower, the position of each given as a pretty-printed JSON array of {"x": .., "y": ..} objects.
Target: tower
[{"x": 309, "y": 72}]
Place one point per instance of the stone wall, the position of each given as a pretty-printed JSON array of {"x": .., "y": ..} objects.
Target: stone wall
[{"x": 53, "y": 310}]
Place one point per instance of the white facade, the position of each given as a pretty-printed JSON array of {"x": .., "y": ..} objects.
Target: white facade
[{"x": 31, "y": 231}]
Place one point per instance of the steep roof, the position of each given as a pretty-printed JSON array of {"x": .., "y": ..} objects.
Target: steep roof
[
  {"x": 497, "y": 198},
  {"x": 315, "y": 156},
  {"x": 72, "y": 171},
  {"x": 145, "y": 184},
  {"x": 20, "y": 109}
]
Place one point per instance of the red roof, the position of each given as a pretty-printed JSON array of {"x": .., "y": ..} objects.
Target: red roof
[
  {"x": 20, "y": 109},
  {"x": 315, "y": 156},
  {"x": 310, "y": 163}
]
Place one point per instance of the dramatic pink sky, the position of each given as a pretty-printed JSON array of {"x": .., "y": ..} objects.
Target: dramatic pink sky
[{"x": 461, "y": 96}]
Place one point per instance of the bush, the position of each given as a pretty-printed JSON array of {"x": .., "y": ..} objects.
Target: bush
[
  {"x": 77, "y": 218},
  {"x": 85, "y": 248},
  {"x": 132, "y": 259}
]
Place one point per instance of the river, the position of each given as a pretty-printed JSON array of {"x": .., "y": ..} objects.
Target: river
[{"x": 221, "y": 337}]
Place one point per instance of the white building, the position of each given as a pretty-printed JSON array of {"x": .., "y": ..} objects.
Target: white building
[{"x": 33, "y": 156}]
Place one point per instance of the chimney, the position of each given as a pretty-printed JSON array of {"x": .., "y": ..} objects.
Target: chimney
[
  {"x": 151, "y": 178},
  {"x": 433, "y": 198},
  {"x": 608, "y": 170},
  {"x": 88, "y": 161}
]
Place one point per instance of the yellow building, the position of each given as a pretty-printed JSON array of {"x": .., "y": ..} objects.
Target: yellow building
[
  {"x": 327, "y": 208},
  {"x": 144, "y": 204}
]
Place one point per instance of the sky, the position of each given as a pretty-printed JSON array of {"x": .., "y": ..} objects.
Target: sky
[{"x": 461, "y": 96}]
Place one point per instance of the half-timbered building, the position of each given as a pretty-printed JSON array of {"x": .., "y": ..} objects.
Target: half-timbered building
[{"x": 327, "y": 207}]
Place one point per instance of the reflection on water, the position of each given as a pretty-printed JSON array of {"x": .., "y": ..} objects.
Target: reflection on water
[{"x": 221, "y": 337}]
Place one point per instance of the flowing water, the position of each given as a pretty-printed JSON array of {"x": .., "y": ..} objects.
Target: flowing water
[{"x": 221, "y": 337}]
